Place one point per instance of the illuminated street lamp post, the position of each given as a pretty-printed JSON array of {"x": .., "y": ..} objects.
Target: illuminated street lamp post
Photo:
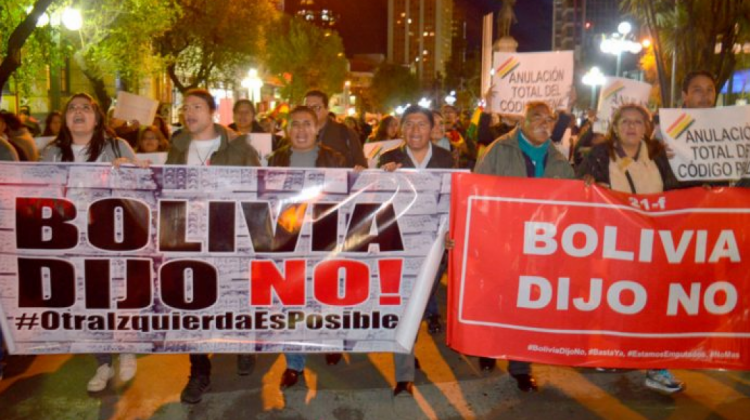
[
  {"x": 594, "y": 77},
  {"x": 618, "y": 44},
  {"x": 253, "y": 84},
  {"x": 72, "y": 20},
  {"x": 347, "y": 85}
]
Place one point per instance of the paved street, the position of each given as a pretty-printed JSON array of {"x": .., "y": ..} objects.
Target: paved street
[{"x": 449, "y": 386}]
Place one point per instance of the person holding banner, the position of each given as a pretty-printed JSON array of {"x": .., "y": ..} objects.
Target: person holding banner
[
  {"x": 629, "y": 161},
  {"x": 84, "y": 137},
  {"x": 304, "y": 151},
  {"x": 526, "y": 152},
  {"x": 203, "y": 143},
  {"x": 417, "y": 152}
]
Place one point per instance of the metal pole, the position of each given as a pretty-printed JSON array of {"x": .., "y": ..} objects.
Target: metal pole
[
  {"x": 619, "y": 62},
  {"x": 593, "y": 96},
  {"x": 672, "y": 93}
]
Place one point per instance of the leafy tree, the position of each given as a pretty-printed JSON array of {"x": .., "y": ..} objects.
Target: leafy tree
[
  {"x": 693, "y": 29},
  {"x": 393, "y": 85},
  {"x": 116, "y": 38},
  {"x": 20, "y": 45},
  {"x": 305, "y": 57},
  {"x": 213, "y": 40}
]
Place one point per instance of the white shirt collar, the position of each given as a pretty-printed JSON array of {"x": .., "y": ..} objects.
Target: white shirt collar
[{"x": 426, "y": 159}]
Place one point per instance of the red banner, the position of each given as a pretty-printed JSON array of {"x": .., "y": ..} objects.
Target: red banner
[{"x": 556, "y": 272}]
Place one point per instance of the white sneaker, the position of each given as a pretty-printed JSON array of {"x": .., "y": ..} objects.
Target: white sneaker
[
  {"x": 128, "y": 367},
  {"x": 103, "y": 374},
  {"x": 662, "y": 380}
]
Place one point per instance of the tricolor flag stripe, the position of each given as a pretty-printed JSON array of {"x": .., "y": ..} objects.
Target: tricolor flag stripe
[
  {"x": 677, "y": 122},
  {"x": 375, "y": 152},
  {"x": 677, "y": 129},
  {"x": 613, "y": 90},
  {"x": 507, "y": 67}
]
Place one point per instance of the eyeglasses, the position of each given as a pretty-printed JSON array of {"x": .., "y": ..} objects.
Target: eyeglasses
[
  {"x": 316, "y": 108},
  {"x": 83, "y": 108},
  {"x": 635, "y": 123}
]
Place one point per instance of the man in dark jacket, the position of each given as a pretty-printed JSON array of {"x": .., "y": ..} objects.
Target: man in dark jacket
[
  {"x": 304, "y": 151},
  {"x": 525, "y": 152},
  {"x": 201, "y": 143},
  {"x": 335, "y": 135},
  {"x": 417, "y": 152}
]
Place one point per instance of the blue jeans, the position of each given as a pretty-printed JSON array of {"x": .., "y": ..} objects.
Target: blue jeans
[{"x": 296, "y": 361}]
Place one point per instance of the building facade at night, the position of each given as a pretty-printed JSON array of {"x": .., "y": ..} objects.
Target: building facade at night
[
  {"x": 577, "y": 24},
  {"x": 420, "y": 36},
  {"x": 317, "y": 12}
]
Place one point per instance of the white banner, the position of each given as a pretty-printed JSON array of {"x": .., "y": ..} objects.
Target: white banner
[
  {"x": 615, "y": 92},
  {"x": 519, "y": 78},
  {"x": 178, "y": 259},
  {"x": 709, "y": 144}
]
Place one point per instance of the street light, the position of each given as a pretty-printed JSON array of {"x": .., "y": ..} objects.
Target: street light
[
  {"x": 253, "y": 83},
  {"x": 347, "y": 86},
  {"x": 618, "y": 44},
  {"x": 451, "y": 98},
  {"x": 594, "y": 77},
  {"x": 72, "y": 19}
]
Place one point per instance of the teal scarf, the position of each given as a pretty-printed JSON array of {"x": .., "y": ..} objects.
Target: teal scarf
[{"x": 535, "y": 153}]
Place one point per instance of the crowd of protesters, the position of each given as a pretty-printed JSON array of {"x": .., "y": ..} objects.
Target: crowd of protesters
[{"x": 629, "y": 158}]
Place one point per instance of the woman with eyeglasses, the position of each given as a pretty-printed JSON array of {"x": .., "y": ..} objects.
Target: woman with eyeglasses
[
  {"x": 630, "y": 161},
  {"x": 84, "y": 137}
]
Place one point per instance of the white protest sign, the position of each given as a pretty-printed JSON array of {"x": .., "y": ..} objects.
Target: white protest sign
[
  {"x": 615, "y": 92},
  {"x": 134, "y": 107},
  {"x": 519, "y": 78},
  {"x": 263, "y": 143},
  {"x": 374, "y": 149},
  {"x": 709, "y": 144}
]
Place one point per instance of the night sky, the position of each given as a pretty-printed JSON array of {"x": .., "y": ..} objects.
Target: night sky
[{"x": 364, "y": 24}]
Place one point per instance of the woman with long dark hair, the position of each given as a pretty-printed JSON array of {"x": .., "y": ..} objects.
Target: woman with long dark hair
[
  {"x": 53, "y": 124},
  {"x": 84, "y": 137},
  {"x": 387, "y": 129}
]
